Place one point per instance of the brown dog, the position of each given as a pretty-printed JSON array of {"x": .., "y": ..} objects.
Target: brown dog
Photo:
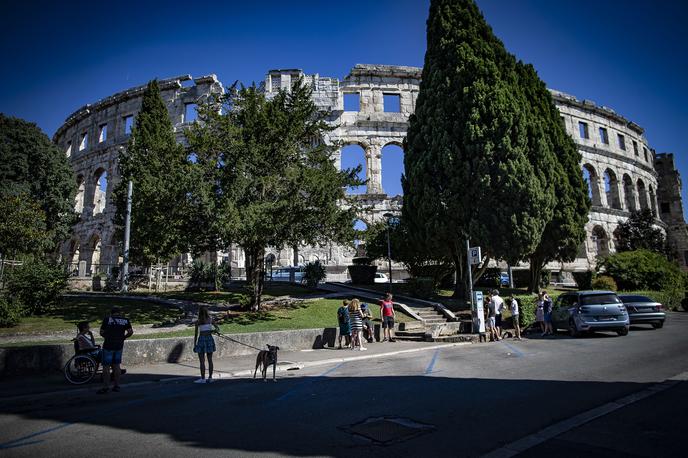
[{"x": 264, "y": 359}]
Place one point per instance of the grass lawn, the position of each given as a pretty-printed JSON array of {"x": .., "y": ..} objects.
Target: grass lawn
[
  {"x": 236, "y": 293},
  {"x": 91, "y": 309}
]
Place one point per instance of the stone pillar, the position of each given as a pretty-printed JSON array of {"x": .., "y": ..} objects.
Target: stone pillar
[
  {"x": 374, "y": 169},
  {"x": 599, "y": 198}
]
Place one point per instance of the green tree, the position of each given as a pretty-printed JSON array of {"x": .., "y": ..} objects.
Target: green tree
[
  {"x": 469, "y": 149},
  {"x": 264, "y": 176},
  {"x": 560, "y": 168},
  {"x": 639, "y": 232},
  {"x": 33, "y": 167},
  {"x": 158, "y": 167},
  {"x": 22, "y": 227}
]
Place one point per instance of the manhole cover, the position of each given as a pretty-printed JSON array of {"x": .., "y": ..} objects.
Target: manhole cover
[{"x": 388, "y": 430}]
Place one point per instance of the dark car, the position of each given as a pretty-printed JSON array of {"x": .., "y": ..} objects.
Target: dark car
[
  {"x": 644, "y": 310},
  {"x": 589, "y": 311}
]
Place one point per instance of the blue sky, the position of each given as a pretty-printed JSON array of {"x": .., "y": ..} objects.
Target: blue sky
[{"x": 629, "y": 55}]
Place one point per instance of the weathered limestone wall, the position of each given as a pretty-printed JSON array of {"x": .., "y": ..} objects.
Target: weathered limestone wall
[
  {"x": 622, "y": 170},
  {"x": 671, "y": 207}
]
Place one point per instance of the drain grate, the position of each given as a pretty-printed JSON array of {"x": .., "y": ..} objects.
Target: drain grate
[{"x": 388, "y": 430}]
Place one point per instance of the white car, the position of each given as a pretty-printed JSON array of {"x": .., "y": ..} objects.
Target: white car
[{"x": 381, "y": 278}]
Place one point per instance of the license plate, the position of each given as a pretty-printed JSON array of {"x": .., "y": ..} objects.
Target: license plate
[{"x": 606, "y": 318}]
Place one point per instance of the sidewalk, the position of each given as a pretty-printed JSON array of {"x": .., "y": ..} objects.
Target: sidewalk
[{"x": 234, "y": 367}]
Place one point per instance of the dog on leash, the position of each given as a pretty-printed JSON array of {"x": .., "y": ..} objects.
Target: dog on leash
[{"x": 264, "y": 359}]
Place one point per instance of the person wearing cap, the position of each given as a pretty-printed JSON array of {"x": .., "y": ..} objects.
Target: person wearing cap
[{"x": 114, "y": 330}]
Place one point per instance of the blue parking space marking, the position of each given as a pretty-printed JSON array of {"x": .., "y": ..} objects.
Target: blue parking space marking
[
  {"x": 431, "y": 366},
  {"x": 516, "y": 351}
]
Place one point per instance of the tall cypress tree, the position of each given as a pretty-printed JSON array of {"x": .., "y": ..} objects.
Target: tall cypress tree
[
  {"x": 565, "y": 230},
  {"x": 468, "y": 154},
  {"x": 158, "y": 167}
]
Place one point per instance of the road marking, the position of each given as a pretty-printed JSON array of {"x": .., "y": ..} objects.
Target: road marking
[
  {"x": 428, "y": 370},
  {"x": 516, "y": 351},
  {"x": 521, "y": 445}
]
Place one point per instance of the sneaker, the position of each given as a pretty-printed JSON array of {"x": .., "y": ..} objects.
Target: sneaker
[
  {"x": 209, "y": 380},
  {"x": 392, "y": 340},
  {"x": 200, "y": 380},
  {"x": 362, "y": 348}
]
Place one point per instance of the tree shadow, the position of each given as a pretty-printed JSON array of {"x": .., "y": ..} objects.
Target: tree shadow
[
  {"x": 94, "y": 309},
  {"x": 309, "y": 415}
]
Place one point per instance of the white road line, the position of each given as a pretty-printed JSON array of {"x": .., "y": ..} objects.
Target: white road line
[{"x": 556, "y": 429}]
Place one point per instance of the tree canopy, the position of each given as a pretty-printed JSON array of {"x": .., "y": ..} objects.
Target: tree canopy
[
  {"x": 639, "y": 232},
  {"x": 37, "y": 180},
  {"x": 158, "y": 167},
  {"x": 265, "y": 176},
  {"x": 476, "y": 159}
]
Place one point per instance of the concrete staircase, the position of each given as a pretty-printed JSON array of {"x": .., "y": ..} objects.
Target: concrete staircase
[{"x": 421, "y": 330}]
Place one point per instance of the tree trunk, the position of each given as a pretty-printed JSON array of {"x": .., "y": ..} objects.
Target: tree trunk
[
  {"x": 536, "y": 264},
  {"x": 461, "y": 284},
  {"x": 479, "y": 272},
  {"x": 254, "y": 271}
]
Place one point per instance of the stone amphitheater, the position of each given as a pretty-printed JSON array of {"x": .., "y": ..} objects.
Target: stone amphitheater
[{"x": 624, "y": 173}]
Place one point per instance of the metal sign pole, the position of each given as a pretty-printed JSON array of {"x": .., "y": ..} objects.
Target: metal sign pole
[{"x": 470, "y": 274}]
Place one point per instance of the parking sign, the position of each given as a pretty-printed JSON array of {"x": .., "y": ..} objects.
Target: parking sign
[{"x": 474, "y": 254}]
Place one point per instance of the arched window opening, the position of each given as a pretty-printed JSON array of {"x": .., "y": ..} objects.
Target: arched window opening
[
  {"x": 611, "y": 189},
  {"x": 100, "y": 192},
  {"x": 95, "y": 255},
  {"x": 353, "y": 156},
  {"x": 392, "y": 169},
  {"x": 642, "y": 195},
  {"x": 653, "y": 200},
  {"x": 590, "y": 176},
  {"x": 600, "y": 241},
  {"x": 79, "y": 199},
  {"x": 74, "y": 256},
  {"x": 629, "y": 195},
  {"x": 359, "y": 237}
]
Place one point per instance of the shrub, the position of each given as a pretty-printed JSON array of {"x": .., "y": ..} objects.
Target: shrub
[
  {"x": 583, "y": 279},
  {"x": 314, "y": 273},
  {"x": 201, "y": 273},
  {"x": 421, "y": 286},
  {"x": 643, "y": 270},
  {"x": 36, "y": 286},
  {"x": 10, "y": 312},
  {"x": 527, "y": 306},
  {"x": 604, "y": 282}
]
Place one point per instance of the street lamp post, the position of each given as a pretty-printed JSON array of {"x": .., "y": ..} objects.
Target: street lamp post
[{"x": 389, "y": 217}]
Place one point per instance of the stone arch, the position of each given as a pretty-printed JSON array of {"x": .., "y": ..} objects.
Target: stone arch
[
  {"x": 95, "y": 248},
  {"x": 611, "y": 189},
  {"x": 592, "y": 178},
  {"x": 100, "y": 178},
  {"x": 74, "y": 255},
  {"x": 653, "y": 200},
  {"x": 392, "y": 168},
  {"x": 79, "y": 198},
  {"x": 360, "y": 226},
  {"x": 642, "y": 195},
  {"x": 351, "y": 155},
  {"x": 600, "y": 240},
  {"x": 629, "y": 193}
]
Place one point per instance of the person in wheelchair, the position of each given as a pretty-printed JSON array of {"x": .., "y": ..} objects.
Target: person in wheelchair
[{"x": 86, "y": 343}]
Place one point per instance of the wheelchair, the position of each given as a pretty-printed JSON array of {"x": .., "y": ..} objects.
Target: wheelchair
[{"x": 82, "y": 367}]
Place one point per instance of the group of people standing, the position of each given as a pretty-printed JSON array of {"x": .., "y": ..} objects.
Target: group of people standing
[
  {"x": 543, "y": 313},
  {"x": 495, "y": 306},
  {"x": 355, "y": 322}
]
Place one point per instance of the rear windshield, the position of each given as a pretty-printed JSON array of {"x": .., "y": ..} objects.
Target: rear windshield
[
  {"x": 590, "y": 299},
  {"x": 636, "y": 299}
]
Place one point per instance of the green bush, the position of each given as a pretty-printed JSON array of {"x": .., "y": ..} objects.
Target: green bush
[
  {"x": 314, "y": 273},
  {"x": 583, "y": 279},
  {"x": 36, "y": 286},
  {"x": 604, "y": 282},
  {"x": 527, "y": 307},
  {"x": 10, "y": 312},
  {"x": 421, "y": 286},
  {"x": 643, "y": 270}
]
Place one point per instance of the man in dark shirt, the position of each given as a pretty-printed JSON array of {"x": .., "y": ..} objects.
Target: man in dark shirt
[{"x": 114, "y": 330}]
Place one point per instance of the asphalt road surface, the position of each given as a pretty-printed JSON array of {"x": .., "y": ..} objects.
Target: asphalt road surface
[{"x": 602, "y": 395}]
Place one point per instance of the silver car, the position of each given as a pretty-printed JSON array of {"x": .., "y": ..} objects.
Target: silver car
[
  {"x": 643, "y": 310},
  {"x": 590, "y": 311}
]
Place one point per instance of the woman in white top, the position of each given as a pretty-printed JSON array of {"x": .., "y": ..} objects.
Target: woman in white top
[{"x": 204, "y": 344}]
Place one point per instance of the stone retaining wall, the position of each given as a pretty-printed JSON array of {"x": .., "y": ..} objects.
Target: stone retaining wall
[{"x": 48, "y": 358}]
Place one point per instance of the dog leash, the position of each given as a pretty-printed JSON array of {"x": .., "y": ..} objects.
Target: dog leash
[{"x": 219, "y": 334}]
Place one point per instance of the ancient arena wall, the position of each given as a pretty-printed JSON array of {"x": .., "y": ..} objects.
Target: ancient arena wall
[{"x": 620, "y": 170}]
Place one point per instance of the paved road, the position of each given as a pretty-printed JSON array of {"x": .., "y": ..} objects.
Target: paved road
[{"x": 460, "y": 401}]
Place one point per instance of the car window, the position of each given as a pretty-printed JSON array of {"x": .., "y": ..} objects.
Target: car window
[
  {"x": 591, "y": 299},
  {"x": 635, "y": 299}
]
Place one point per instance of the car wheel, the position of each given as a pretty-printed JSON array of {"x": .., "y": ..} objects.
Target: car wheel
[
  {"x": 623, "y": 331},
  {"x": 573, "y": 330},
  {"x": 658, "y": 324}
]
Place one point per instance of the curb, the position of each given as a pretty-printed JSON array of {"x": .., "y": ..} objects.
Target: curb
[{"x": 246, "y": 372}]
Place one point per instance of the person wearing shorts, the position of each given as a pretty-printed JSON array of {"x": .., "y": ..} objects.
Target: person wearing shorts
[
  {"x": 387, "y": 317},
  {"x": 114, "y": 330},
  {"x": 367, "y": 324},
  {"x": 547, "y": 306},
  {"x": 492, "y": 306}
]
